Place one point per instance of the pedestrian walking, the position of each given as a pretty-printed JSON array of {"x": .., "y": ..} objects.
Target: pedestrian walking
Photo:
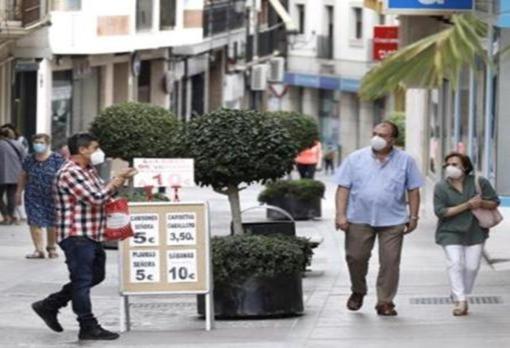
[
  {"x": 371, "y": 202},
  {"x": 458, "y": 231},
  {"x": 17, "y": 136},
  {"x": 80, "y": 199},
  {"x": 36, "y": 180},
  {"x": 11, "y": 159},
  {"x": 308, "y": 159},
  {"x": 329, "y": 158}
]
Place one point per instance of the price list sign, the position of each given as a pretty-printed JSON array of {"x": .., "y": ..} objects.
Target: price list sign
[{"x": 169, "y": 252}]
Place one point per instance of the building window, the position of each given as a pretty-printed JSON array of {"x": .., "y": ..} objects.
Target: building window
[
  {"x": 357, "y": 21},
  {"x": 167, "y": 15},
  {"x": 66, "y": 5},
  {"x": 143, "y": 15},
  {"x": 300, "y": 9},
  {"x": 382, "y": 19}
]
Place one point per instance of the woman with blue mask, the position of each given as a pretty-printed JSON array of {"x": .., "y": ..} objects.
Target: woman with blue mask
[{"x": 36, "y": 179}]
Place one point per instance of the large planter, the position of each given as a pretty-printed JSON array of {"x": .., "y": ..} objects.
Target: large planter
[
  {"x": 299, "y": 209},
  {"x": 258, "y": 297}
]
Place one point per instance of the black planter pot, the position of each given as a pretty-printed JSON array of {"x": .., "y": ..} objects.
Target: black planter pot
[
  {"x": 258, "y": 297},
  {"x": 298, "y": 208}
]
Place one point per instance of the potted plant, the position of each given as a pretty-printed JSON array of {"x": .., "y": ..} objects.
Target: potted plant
[
  {"x": 300, "y": 198},
  {"x": 232, "y": 149}
]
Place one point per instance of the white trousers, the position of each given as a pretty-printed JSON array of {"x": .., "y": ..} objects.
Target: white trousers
[{"x": 463, "y": 263}]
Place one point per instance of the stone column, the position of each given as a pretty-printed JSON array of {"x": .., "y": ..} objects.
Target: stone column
[
  {"x": 366, "y": 122},
  {"x": 44, "y": 88},
  {"x": 349, "y": 124}
]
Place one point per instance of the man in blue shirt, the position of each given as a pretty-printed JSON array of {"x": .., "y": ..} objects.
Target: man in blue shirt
[{"x": 371, "y": 202}]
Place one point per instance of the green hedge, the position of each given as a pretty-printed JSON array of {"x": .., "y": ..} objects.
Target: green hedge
[{"x": 303, "y": 189}]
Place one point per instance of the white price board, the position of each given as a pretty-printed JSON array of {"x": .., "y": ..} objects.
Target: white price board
[
  {"x": 144, "y": 266},
  {"x": 181, "y": 228},
  {"x": 182, "y": 266},
  {"x": 164, "y": 172},
  {"x": 146, "y": 230}
]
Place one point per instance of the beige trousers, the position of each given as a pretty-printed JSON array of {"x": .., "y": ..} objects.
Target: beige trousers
[{"x": 359, "y": 241}]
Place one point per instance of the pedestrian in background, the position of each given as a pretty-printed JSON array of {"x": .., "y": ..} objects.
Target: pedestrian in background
[
  {"x": 11, "y": 158},
  {"x": 458, "y": 231},
  {"x": 308, "y": 160},
  {"x": 371, "y": 202},
  {"x": 80, "y": 200},
  {"x": 329, "y": 158},
  {"x": 17, "y": 136},
  {"x": 36, "y": 179}
]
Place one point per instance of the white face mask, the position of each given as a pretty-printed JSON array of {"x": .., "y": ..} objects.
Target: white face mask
[
  {"x": 97, "y": 157},
  {"x": 453, "y": 172},
  {"x": 378, "y": 143}
]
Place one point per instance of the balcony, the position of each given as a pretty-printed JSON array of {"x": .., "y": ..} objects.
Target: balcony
[
  {"x": 223, "y": 15},
  {"x": 18, "y": 15},
  {"x": 324, "y": 47}
]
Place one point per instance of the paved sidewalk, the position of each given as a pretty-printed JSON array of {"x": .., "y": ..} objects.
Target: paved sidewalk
[{"x": 172, "y": 321}]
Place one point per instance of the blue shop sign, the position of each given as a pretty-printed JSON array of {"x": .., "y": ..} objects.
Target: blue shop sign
[
  {"x": 322, "y": 82},
  {"x": 428, "y": 6},
  {"x": 503, "y": 8}
]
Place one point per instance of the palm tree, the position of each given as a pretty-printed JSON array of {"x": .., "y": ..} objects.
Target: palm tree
[{"x": 427, "y": 62}]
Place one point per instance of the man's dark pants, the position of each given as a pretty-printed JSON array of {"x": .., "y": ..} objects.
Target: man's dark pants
[{"x": 85, "y": 260}]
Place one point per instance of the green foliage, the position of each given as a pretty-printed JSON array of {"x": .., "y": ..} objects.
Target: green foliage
[
  {"x": 236, "y": 258},
  {"x": 142, "y": 197},
  {"x": 231, "y": 147},
  {"x": 130, "y": 130},
  {"x": 427, "y": 62},
  {"x": 303, "y": 129},
  {"x": 303, "y": 189},
  {"x": 399, "y": 118}
]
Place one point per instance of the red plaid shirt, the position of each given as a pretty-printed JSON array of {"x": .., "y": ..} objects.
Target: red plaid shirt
[{"x": 80, "y": 199}]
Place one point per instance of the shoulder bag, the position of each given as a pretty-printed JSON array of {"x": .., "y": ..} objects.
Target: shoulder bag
[{"x": 487, "y": 218}]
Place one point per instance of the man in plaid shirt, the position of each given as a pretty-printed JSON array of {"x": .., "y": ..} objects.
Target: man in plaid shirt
[{"x": 80, "y": 200}]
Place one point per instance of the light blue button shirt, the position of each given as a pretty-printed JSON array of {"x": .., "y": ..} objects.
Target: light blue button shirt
[{"x": 377, "y": 190}]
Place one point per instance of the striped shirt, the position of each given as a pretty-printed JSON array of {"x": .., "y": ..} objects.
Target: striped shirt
[{"x": 80, "y": 198}]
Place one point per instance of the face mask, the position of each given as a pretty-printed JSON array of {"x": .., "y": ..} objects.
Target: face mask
[
  {"x": 378, "y": 143},
  {"x": 453, "y": 172},
  {"x": 40, "y": 148},
  {"x": 97, "y": 157}
]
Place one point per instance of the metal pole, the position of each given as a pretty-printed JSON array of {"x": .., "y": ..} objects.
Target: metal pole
[
  {"x": 457, "y": 115},
  {"x": 489, "y": 91},
  {"x": 471, "y": 117}
]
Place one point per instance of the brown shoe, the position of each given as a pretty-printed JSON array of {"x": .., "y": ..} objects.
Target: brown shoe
[
  {"x": 355, "y": 301},
  {"x": 460, "y": 308},
  {"x": 386, "y": 309}
]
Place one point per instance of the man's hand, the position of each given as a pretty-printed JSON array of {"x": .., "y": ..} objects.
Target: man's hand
[
  {"x": 341, "y": 223},
  {"x": 127, "y": 173},
  {"x": 411, "y": 226}
]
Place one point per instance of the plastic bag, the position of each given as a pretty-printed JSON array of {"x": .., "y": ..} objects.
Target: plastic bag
[{"x": 118, "y": 221}]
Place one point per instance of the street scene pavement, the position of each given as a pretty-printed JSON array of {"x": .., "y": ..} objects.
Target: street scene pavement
[{"x": 424, "y": 319}]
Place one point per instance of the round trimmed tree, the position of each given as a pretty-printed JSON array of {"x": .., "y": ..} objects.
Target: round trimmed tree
[
  {"x": 232, "y": 148},
  {"x": 303, "y": 129},
  {"x": 129, "y": 130}
]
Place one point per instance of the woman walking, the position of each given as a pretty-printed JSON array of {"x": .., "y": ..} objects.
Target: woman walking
[
  {"x": 36, "y": 179},
  {"x": 458, "y": 231}
]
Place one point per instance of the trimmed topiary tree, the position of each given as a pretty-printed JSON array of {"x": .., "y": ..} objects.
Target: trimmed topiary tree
[
  {"x": 236, "y": 147},
  {"x": 130, "y": 130},
  {"x": 303, "y": 129}
]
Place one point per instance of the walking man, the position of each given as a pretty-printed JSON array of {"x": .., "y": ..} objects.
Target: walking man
[
  {"x": 80, "y": 199},
  {"x": 371, "y": 202}
]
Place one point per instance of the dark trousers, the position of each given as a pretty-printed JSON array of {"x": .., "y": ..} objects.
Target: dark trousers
[
  {"x": 306, "y": 171},
  {"x": 329, "y": 165},
  {"x": 7, "y": 210},
  {"x": 85, "y": 260}
]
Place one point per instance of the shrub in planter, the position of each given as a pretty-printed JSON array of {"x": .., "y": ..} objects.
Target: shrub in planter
[
  {"x": 303, "y": 129},
  {"x": 301, "y": 198},
  {"x": 258, "y": 276},
  {"x": 232, "y": 148},
  {"x": 130, "y": 130}
]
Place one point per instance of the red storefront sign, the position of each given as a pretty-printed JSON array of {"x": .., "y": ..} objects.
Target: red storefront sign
[{"x": 385, "y": 41}]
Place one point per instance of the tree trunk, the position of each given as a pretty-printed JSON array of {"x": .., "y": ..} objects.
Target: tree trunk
[{"x": 235, "y": 209}]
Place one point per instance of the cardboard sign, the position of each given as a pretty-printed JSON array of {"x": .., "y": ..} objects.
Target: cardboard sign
[{"x": 164, "y": 172}]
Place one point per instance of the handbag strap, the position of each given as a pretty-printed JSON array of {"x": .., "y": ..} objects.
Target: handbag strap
[{"x": 478, "y": 188}]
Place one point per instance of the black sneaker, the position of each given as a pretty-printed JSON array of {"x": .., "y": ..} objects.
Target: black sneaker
[
  {"x": 48, "y": 315},
  {"x": 96, "y": 333}
]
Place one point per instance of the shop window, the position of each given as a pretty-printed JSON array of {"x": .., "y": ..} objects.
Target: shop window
[
  {"x": 300, "y": 9},
  {"x": 143, "y": 15},
  {"x": 357, "y": 23},
  {"x": 144, "y": 82},
  {"x": 168, "y": 14}
]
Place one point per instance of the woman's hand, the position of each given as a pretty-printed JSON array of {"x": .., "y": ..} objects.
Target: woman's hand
[{"x": 475, "y": 202}]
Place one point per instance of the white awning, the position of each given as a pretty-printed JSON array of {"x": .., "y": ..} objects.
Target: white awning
[{"x": 284, "y": 15}]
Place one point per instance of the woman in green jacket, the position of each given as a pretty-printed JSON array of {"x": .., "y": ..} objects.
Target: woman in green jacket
[{"x": 458, "y": 231}]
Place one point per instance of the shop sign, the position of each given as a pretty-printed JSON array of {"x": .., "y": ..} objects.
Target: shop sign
[
  {"x": 425, "y": 7},
  {"x": 385, "y": 41}
]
